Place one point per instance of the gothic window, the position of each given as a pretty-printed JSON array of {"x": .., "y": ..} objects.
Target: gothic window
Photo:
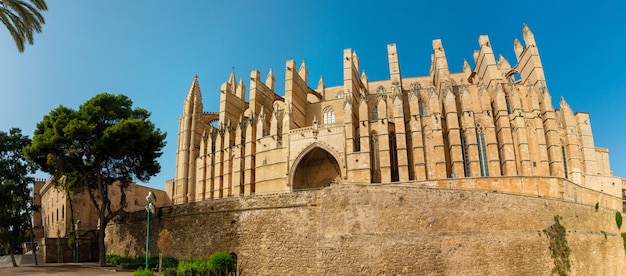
[
  {"x": 393, "y": 151},
  {"x": 423, "y": 108},
  {"x": 509, "y": 109},
  {"x": 357, "y": 140},
  {"x": 329, "y": 115},
  {"x": 482, "y": 152},
  {"x": 375, "y": 157},
  {"x": 375, "y": 113},
  {"x": 466, "y": 163},
  {"x": 340, "y": 95},
  {"x": 564, "y": 160}
]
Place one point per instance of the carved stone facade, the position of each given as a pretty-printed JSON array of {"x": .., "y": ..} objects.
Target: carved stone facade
[{"x": 490, "y": 120}]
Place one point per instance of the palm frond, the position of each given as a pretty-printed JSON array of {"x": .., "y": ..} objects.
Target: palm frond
[{"x": 22, "y": 18}]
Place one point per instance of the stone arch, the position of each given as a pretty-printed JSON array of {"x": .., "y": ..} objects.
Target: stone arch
[{"x": 317, "y": 166}]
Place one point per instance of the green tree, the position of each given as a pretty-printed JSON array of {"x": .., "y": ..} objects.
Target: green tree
[
  {"x": 22, "y": 19},
  {"x": 103, "y": 145},
  {"x": 15, "y": 195}
]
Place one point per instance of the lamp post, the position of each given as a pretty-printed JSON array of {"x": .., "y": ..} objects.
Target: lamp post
[
  {"x": 150, "y": 210},
  {"x": 77, "y": 237}
]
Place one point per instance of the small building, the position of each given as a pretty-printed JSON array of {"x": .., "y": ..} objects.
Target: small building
[{"x": 60, "y": 215}]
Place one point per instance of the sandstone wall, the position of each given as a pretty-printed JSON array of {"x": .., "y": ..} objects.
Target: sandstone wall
[{"x": 383, "y": 229}]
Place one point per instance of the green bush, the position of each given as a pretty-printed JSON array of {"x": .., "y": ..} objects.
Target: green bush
[
  {"x": 624, "y": 238},
  {"x": 117, "y": 260},
  {"x": 221, "y": 263},
  {"x": 169, "y": 271},
  {"x": 195, "y": 267},
  {"x": 618, "y": 219},
  {"x": 142, "y": 272},
  {"x": 153, "y": 262},
  {"x": 108, "y": 258},
  {"x": 169, "y": 262}
]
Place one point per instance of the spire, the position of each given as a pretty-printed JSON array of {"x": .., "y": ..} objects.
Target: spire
[
  {"x": 232, "y": 81},
  {"x": 475, "y": 55},
  {"x": 303, "y": 72},
  {"x": 564, "y": 105},
  {"x": 518, "y": 48},
  {"x": 269, "y": 80},
  {"x": 260, "y": 123},
  {"x": 439, "y": 65},
  {"x": 364, "y": 79},
  {"x": 529, "y": 37},
  {"x": 503, "y": 64},
  {"x": 240, "y": 92},
  {"x": 193, "y": 101},
  {"x": 321, "y": 87},
  {"x": 467, "y": 69},
  {"x": 320, "y": 84}
]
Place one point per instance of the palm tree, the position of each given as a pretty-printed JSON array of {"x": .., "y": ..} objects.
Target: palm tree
[{"x": 22, "y": 19}]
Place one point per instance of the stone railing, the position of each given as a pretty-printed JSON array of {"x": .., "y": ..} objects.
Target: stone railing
[{"x": 315, "y": 131}]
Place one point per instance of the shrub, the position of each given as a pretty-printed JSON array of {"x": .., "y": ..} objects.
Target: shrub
[
  {"x": 221, "y": 263},
  {"x": 597, "y": 206},
  {"x": 142, "y": 272},
  {"x": 618, "y": 220},
  {"x": 169, "y": 262},
  {"x": 169, "y": 271},
  {"x": 109, "y": 258},
  {"x": 195, "y": 267},
  {"x": 624, "y": 238},
  {"x": 153, "y": 262},
  {"x": 117, "y": 260}
]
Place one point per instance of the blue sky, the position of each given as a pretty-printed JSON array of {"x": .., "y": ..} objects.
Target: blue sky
[{"x": 150, "y": 51}]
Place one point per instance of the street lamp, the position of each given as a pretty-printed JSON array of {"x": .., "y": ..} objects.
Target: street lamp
[
  {"x": 150, "y": 210},
  {"x": 77, "y": 237}
]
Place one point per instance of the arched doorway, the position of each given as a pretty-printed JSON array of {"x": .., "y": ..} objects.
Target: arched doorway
[{"x": 317, "y": 169}]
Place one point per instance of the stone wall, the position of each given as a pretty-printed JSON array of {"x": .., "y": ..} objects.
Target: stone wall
[{"x": 390, "y": 229}]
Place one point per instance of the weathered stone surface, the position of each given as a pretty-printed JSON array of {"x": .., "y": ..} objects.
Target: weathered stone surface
[{"x": 402, "y": 229}]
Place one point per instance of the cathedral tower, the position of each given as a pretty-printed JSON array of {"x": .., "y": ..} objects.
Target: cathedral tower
[{"x": 188, "y": 145}]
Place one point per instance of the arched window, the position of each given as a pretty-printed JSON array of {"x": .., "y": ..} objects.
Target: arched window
[
  {"x": 423, "y": 108},
  {"x": 329, "y": 115},
  {"x": 509, "y": 109},
  {"x": 482, "y": 151},
  {"x": 63, "y": 211},
  {"x": 465, "y": 150},
  {"x": 340, "y": 95},
  {"x": 564, "y": 160},
  {"x": 375, "y": 113},
  {"x": 374, "y": 157}
]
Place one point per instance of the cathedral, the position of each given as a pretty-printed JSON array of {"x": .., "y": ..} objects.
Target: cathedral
[{"x": 494, "y": 120}]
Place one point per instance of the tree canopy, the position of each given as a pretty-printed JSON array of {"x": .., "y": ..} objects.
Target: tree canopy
[
  {"x": 22, "y": 19},
  {"x": 105, "y": 141},
  {"x": 15, "y": 194}
]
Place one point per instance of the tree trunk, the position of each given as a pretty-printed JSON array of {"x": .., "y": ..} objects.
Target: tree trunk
[
  {"x": 32, "y": 243},
  {"x": 101, "y": 247},
  {"x": 12, "y": 256},
  {"x": 32, "y": 234}
]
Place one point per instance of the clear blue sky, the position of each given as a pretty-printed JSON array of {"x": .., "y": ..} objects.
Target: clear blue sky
[{"x": 150, "y": 50}]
